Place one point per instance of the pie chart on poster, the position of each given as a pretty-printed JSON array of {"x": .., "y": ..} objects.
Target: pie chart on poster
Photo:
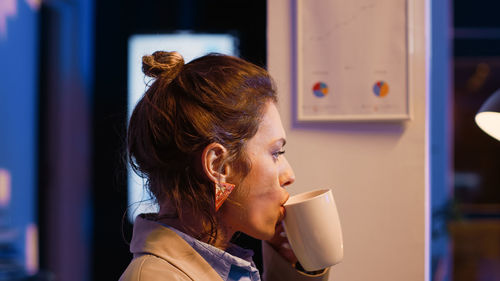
[
  {"x": 381, "y": 89},
  {"x": 320, "y": 89}
]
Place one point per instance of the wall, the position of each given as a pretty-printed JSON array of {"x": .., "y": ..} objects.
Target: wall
[
  {"x": 377, "y": 170},
  {"x": 18, "y": 131},
  {"x": 67, "y": 71}
]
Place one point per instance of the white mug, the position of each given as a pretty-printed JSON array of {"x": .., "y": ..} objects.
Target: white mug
[{"x": 313, "y": 228}]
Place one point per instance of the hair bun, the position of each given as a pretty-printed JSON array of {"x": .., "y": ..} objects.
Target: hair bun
[{"x": 162, "y": 63}]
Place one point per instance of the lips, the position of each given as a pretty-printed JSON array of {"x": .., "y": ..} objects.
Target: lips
[
  {"x": 282, "y": 208},
  {"x": 287, "y": 196},
  {"x": 282, "y": 213}
]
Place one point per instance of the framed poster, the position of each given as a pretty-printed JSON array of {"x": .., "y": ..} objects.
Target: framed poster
[{"x": 352, "y": 60}]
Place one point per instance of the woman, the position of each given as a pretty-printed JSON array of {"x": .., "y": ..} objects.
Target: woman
[{"x": 208, "y": 138}]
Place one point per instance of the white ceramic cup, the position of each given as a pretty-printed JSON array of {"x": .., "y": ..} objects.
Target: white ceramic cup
[{"x": 313, "y": 228}]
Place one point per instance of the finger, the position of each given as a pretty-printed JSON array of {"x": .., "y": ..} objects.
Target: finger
[{"x": 286, "y": 252}]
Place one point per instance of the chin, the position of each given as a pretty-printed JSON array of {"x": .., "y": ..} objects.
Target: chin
[
  {"x": 263, "y": 234},
  {"x": 268, "y": 234}
]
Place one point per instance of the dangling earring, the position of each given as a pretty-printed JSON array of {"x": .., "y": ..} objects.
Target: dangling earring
[{"x": 222, "y": 191}]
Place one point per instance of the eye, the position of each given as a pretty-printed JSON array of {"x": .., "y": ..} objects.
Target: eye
[{"x": 277, "y": 154}]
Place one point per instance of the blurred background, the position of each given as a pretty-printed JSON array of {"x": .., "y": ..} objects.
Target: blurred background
[{"x": 65, "y": 93}]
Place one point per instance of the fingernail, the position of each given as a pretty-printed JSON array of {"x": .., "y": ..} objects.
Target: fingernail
[
  {"x": 286, "y": 246},
  {"x": 283, "y": 234}
]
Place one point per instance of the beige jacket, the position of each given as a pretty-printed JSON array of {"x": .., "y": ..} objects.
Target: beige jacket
[{"x": 160, "y": 254}]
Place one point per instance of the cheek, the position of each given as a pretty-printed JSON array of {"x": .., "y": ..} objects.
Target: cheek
[
  {"x": 264, "y": 193},
  {"x": 263, "y": 202},
  {"x": 259, "y": 196},
  {"x": 263, "y": 210}
]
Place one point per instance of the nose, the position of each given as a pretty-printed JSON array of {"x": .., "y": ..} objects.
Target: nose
[{"x": 287, "y": 175}]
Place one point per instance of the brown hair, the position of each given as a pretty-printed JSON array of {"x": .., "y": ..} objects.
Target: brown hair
[{"x": 215, "y": 98}]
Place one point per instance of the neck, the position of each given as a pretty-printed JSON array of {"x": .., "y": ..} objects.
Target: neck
[{"x": 192, "y": 225}]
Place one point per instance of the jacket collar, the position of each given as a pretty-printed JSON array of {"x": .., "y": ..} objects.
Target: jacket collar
[{"x": 150, "y": 237}]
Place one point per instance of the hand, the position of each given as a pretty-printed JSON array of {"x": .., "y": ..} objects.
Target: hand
[{"x": 280, "y": 244}]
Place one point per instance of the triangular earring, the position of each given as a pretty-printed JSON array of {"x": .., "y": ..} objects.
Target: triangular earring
[{"x": 222, "y": 191}]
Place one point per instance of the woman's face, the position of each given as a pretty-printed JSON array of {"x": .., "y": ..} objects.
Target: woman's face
[{"x": 260, "y": 196}]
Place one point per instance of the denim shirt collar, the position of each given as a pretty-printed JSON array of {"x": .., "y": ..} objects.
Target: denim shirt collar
[{"x": 234, "y": 261}]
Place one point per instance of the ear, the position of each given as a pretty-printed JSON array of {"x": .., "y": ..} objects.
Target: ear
[{"x": 211, "y": 159}]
